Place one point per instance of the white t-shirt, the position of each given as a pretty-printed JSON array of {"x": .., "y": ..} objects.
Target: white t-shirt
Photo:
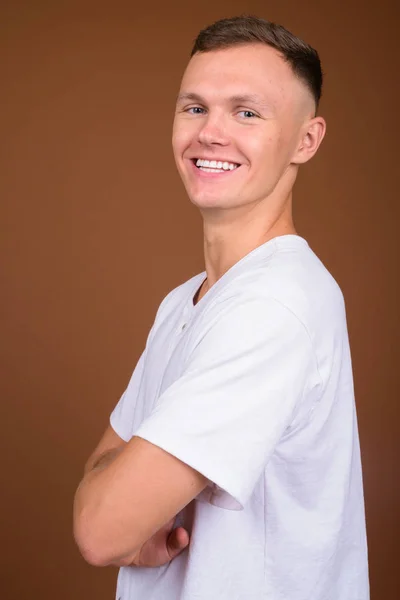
[{"x": 253, "y": 387}]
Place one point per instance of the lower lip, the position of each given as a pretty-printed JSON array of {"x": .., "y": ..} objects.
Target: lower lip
[{"x": 208, "y": 175}]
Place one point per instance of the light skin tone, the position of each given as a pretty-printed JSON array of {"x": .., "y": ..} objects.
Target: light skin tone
[
  {"x": 241, "y": 105},
  {"x": 167, "y": 542}
]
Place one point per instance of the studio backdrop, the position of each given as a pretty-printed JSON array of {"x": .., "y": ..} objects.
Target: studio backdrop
[{"x": 97, "y": 229}]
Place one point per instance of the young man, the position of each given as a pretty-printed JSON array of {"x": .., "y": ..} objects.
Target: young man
[{"x": 231, "y": 469}]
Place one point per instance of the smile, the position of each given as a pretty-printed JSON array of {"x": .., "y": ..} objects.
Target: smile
[{"x": 214, "y": 166}]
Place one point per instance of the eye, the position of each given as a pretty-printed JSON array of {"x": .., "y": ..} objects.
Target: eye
[
  {"x": 248, "y": 114},
  {"x": 195, "y": 110}
]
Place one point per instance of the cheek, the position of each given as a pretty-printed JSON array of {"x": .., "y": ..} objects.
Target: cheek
[
  {"x": 176, "y": 144},
  {"x": 268, "y": 150},
  {"x": 259, "y": 149},
  {"x": 182, "y": 136}
]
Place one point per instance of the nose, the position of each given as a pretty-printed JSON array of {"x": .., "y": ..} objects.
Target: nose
[{"x": 213, "y": 131}]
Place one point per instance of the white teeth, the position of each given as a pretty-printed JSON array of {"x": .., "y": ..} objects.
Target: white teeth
[{"x": 213, "y": 164}]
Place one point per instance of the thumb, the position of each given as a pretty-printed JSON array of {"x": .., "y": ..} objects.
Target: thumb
[{"x": 177, "y": 541}]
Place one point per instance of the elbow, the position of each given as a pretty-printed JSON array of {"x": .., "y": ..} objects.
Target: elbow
[
  {"x": 86, "y": 528},
  {"x": 100, "y": 537},
  {"x": 90, "y": 546},
  {"x": 92, "y": 555},
  {"x": 89, "y": 533},
  {"x": 99, "y": 545}
]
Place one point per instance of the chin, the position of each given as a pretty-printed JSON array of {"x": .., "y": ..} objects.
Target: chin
[{"x": 205, "y": 201}]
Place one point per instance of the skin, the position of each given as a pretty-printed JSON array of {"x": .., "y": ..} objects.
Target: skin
[
  {"x": 160, "y": 548},
  {"x": 125, "y": 505}
]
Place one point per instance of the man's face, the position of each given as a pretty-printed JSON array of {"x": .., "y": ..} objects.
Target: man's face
[{"x": 238, "y": 123}]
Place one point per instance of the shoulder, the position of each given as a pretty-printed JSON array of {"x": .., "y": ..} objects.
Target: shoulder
[
  {"x": 293, "y": 278},
  {"x": 300, "y": 280}
]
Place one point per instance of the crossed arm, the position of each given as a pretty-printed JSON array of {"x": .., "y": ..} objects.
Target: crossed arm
[{"x": 128, "y": 493}]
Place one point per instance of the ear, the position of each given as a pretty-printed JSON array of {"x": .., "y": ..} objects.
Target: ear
[{"x": 313, "y": 133}]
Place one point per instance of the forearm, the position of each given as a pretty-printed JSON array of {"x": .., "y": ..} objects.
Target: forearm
[
  {"x": 121, "y": 505},
  {"x": 90, "y": 494},
  {"x": 162, "y": 547}
]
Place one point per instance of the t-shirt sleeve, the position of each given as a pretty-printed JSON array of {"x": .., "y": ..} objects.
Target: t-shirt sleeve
[
  {"x": 240, "y": 387},
  {"x": 121, "y": 418}
]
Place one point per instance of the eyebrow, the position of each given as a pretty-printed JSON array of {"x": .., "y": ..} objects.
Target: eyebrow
[{"x": 236, "y": 99}]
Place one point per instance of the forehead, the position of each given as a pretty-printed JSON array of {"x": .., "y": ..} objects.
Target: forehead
[{"x": 255, "y": 69}]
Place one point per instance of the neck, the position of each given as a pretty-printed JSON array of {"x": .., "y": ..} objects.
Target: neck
[{"x": 232, "y": 234}]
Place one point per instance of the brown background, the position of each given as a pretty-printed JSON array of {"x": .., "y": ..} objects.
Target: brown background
[{"x": 97, "y": 229}]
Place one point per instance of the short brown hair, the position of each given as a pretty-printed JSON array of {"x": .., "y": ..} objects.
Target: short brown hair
[{"x": 303, "y": 59}]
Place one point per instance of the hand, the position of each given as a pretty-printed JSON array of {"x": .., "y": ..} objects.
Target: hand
[{"x": 160, "y": 549}]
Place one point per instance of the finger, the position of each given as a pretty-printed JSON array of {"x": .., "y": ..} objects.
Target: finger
[
  {"x": 177, "y": 541},
  {"x": 182, "y": 537}
]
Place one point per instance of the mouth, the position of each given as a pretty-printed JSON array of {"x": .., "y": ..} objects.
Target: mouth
[{"x": 214, "y": 166}]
